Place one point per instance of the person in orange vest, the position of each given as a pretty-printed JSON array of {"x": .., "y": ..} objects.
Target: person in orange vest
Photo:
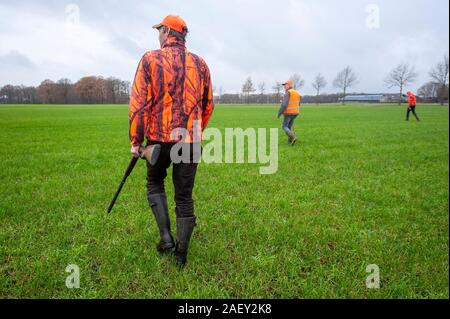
[
  {"x": 290, "y": 108},
  {"x": 412, "y": 102}
]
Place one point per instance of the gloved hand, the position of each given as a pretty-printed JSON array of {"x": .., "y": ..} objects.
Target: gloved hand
[{"x": 136, "y": 151}]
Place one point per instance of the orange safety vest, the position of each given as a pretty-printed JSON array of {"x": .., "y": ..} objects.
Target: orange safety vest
[
  {"x": 294, "y": 103},
  {"x": 412, "y": 100}
]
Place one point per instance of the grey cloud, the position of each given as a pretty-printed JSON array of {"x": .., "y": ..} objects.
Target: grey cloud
[
  {"x": 128, "y": 45},
  {"x": 14, "y": 59}
]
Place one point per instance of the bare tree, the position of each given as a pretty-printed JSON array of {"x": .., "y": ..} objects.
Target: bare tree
[
  {"x": 262, "y": 90},
  {"x": 247, "y": 89},
  {"x": 401, "y": 76},
  {"x": 297, "y": 81},
  {"x": 318, "y": 84},
  {"x": 429, "y": 91},
  {"x": 124, "y": 92},
  {"x": 345, "y": 80},
  {"x": 262, "y": 87},
  {"x": 30, "y": 94},
  {"x": 7, "y": 92},
  {"x": 63, "y": 87},
  {"x": 277, "y": 89},
  {"x": 220, "y": 95},
  {"x": 439, "y": 75},
  {"x": 112, "y": 89}
]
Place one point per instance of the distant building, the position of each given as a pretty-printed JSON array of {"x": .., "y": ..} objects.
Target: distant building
[
  {"x": 371, "y": 98},
  {"x": 374, "y": 98}
]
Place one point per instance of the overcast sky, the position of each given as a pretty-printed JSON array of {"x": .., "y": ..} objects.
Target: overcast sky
[{"x": 267, "y": 40}]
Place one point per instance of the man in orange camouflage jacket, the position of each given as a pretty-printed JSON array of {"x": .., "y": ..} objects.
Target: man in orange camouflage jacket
[{"x": 171, "y": 94}]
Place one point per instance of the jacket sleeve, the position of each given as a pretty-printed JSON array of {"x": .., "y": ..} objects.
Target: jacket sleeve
[
  {"x": 207, "y": 101},
  {"x": 140, "y": 101},
  {"x": 284, "y": 104}
]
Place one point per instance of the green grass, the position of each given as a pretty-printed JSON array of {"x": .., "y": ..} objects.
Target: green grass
[{"x": 362, "y": 187}]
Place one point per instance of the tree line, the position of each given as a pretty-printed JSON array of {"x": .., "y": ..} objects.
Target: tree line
[
  {"x": 88, "y": 90},
  {"x": 404, "y": 74},
  {"x": 98, "y": 90}
]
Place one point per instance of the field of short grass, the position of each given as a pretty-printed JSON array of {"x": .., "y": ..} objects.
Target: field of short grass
[{"x": 362, "y": 187}]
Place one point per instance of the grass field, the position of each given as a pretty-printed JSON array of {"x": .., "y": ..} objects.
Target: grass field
[{"x": 362, "y": 187}]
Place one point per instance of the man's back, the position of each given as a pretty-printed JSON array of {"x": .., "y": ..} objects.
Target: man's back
[
  {"x": 412, "y": 100},
  {"x": 175, "y": 86},
  {"x": 171, "y": 101}
]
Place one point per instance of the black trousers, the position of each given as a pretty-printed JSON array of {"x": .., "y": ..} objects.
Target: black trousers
[
  {"x": 183, "y": 177},
  {"x": 413, "y": 110}
]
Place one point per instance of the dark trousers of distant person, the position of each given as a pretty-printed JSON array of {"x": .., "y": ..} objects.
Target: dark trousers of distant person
[
  {"x": 412, "y": 109},
  {"x": 288, "y": 124},
  {"x": 183, "y": 177}
]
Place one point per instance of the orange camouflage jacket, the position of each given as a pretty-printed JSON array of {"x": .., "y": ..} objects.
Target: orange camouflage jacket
[{"x": 171, "y": 92}]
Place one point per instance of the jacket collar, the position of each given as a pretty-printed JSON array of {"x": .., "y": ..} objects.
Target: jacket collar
[{"x": 172, "y": 41}]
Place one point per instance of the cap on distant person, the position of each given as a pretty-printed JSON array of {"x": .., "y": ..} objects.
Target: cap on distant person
[
  {"x": 288, "y": 82},
  {"x": 173, "y": 22},
  {"x": 409, "y": 93}
]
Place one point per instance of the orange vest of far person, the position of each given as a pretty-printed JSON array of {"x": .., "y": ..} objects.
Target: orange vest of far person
[
  {"x": 412, "y": 99},
  {"x": 294, "y": 103}
]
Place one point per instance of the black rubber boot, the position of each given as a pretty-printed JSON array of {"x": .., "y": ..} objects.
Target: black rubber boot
[
  {"x": 185, "y": 227},
  {"x": 160, "y": 208}
]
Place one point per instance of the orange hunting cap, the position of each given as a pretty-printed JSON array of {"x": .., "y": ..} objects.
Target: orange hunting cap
[
  {"x": 288, "y": 82},
  {"x": 173, "y": 22}
]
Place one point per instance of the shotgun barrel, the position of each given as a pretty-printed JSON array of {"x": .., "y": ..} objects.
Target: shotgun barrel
[
  {"x": 130, "y": 168},
  {"x": 150, "y": 154}
]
